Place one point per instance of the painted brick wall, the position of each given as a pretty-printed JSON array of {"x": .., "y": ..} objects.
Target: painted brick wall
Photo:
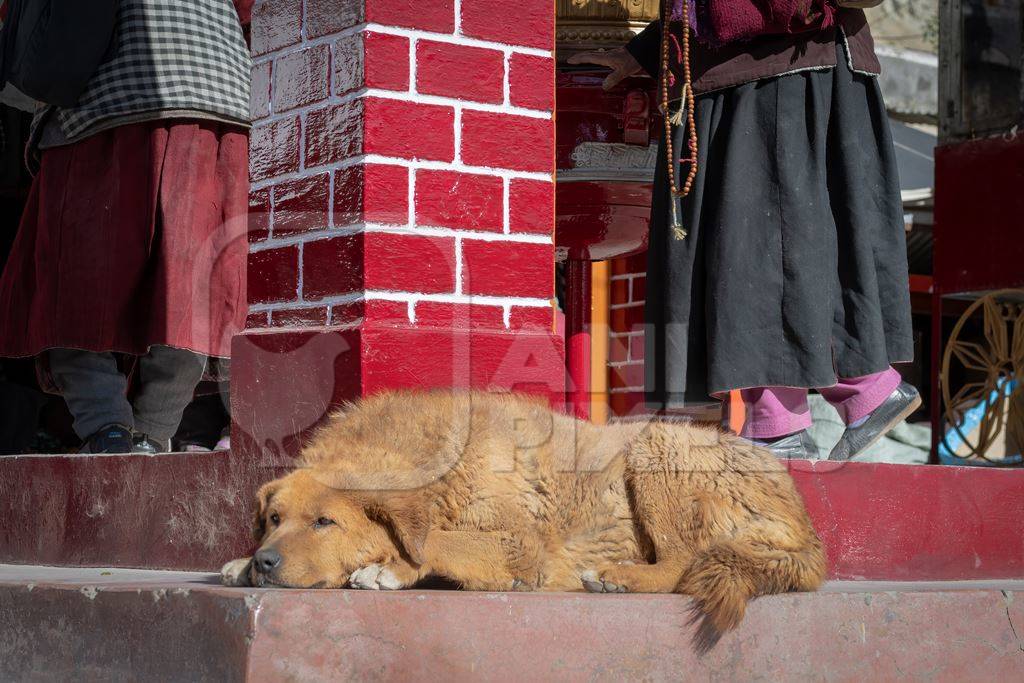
[
  {"x": 401, "y": 163},
  {"x": 626, "y": 335}
]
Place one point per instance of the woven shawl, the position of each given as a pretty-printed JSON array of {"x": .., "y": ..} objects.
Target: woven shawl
[{"x": 169, "y": 55}]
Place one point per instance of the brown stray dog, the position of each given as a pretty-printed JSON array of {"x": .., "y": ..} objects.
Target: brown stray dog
[{"x": 497, "y": 492}]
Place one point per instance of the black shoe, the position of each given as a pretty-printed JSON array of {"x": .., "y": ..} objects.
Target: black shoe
[
  {"x": 113, "y": 438},
  {"x": 144, "y": 444},
  {"x": 901, "y": 403},
  {"x": 797, "y": 446}
]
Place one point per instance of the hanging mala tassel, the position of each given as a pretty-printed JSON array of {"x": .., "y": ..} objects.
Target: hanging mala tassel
[{"x": 676, "y": 119}]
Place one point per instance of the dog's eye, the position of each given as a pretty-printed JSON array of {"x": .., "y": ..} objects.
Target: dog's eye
[
  {"x": 275, "y": 519},
  {"x": 324, "y": 521}
]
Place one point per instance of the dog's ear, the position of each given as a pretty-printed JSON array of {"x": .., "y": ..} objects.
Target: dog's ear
[
  {"x": 263, "y": 496},
  {"x": 406, "y": 520}
]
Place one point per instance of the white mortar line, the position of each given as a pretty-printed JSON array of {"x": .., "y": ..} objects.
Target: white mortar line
[
  {"x": 270, "y": 218},
  {"x": 270, "y": 95},
  {"x": 412, "y": 197},
  {"x": 396, "y": 229},
  {"x": 339, "y": 300},
  {"x": 458, "y": 265},
  {"x": 475, "y": 299},
  {"x": 505, "y": 85},
  {"x": 408, "y": 163},
  {"x": 302, "y": 143},
  {"x": 285, "y": 307},
  {"x": 330, "y": 200},
  {"x": 458, "y": 135},
  {"x": 410, "y": 298},
  {"x": 441, "y": 101},
  {"x": 302, "y": 238},
  {"x": 480, "y": 236},
  {"x": 506, "y": 224},
  {"x": 299, "y": 293},
  {"x": 412, "y": 65},
  {"x": 458, "y": 17},
  {"x": 506, "y": 315},
  {"x": 330, "y": 86},
  {"x": 452, "y": 166}
]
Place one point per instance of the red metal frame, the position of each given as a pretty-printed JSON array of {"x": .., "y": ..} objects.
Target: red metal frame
[
  {"x": 601, "y": 220},
  {"x": 978, "y": 233},
  {"x": 577, "y": 333}
]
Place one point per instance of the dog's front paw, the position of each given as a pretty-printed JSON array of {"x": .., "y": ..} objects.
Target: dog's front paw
[
  {"x": 236, "y": 572},
  {"x": 375, "y": 578},
  {"x": 595, "y": 583}
]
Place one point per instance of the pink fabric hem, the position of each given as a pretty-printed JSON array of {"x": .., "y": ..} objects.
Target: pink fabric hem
[
  {"x": 759, "y": 429},
  {"x": 773, "y": 412},
  {"x": 867, "y": 399}
]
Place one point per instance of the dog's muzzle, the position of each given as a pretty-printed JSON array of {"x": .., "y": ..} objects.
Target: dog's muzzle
[{"x": 265, "y": 561}]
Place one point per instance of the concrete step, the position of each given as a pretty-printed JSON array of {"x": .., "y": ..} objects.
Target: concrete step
[
  {"x": 115, "y": 624},
  {"x": 193, "y": 511}
]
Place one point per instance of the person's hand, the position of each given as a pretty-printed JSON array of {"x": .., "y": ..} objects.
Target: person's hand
[
  {"x": 859, "y": 4},
  {"x": 622, "y": 64}
]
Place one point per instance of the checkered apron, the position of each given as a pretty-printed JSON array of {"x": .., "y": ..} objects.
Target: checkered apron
[{"x": 170, "y": 55}]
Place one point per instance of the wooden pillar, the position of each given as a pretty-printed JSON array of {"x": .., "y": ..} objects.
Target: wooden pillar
[{"x": 599, "y": 308}]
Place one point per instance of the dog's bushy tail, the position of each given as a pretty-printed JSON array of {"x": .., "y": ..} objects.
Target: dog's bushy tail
[{"x": 723, "y": 578}]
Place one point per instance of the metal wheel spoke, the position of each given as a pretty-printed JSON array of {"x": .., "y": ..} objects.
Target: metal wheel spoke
[
  {"x": 995, "y": 329},
  {"x": 1017, "y": 346},
  {"x": 969, "y": 396},
  {"x": 973, "y": 356}
]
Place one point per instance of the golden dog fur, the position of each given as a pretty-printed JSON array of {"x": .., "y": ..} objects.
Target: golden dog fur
[{"x": 497, "y": 492}]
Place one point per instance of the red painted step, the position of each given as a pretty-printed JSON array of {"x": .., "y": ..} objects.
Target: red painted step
[
  {"x": 62, "y": 624},
  {"x": 178, "y": 511},
  {"x": 916, "y": 522},
  {"x": 192, "y": 511}
]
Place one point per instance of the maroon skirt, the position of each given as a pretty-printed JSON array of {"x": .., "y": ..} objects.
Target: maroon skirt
[{"x": 132, "y": 237}]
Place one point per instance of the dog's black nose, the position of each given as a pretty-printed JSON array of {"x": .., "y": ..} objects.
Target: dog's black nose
[{"x": 266, "y": 560}]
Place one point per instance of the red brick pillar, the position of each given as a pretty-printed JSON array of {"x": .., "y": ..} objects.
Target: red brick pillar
[{"x": 403, "y": 205}]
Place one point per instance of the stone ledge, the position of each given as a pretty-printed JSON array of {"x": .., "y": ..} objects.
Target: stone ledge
[{"x": 110, "y": 624}]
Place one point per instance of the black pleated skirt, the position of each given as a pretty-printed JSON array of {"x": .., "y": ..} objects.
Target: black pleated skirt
[{"x": 794, "y": 272}]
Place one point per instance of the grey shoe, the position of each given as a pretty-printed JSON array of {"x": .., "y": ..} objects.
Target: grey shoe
[
  {"x": 113, "y": 438},
  {"x": 797, "y": 446},
  {"x": 901, "y": 403},
  {"x": 144, "y": 444}
]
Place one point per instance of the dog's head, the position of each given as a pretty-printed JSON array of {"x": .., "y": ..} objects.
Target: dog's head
[{"x": 314, "y": 536}]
